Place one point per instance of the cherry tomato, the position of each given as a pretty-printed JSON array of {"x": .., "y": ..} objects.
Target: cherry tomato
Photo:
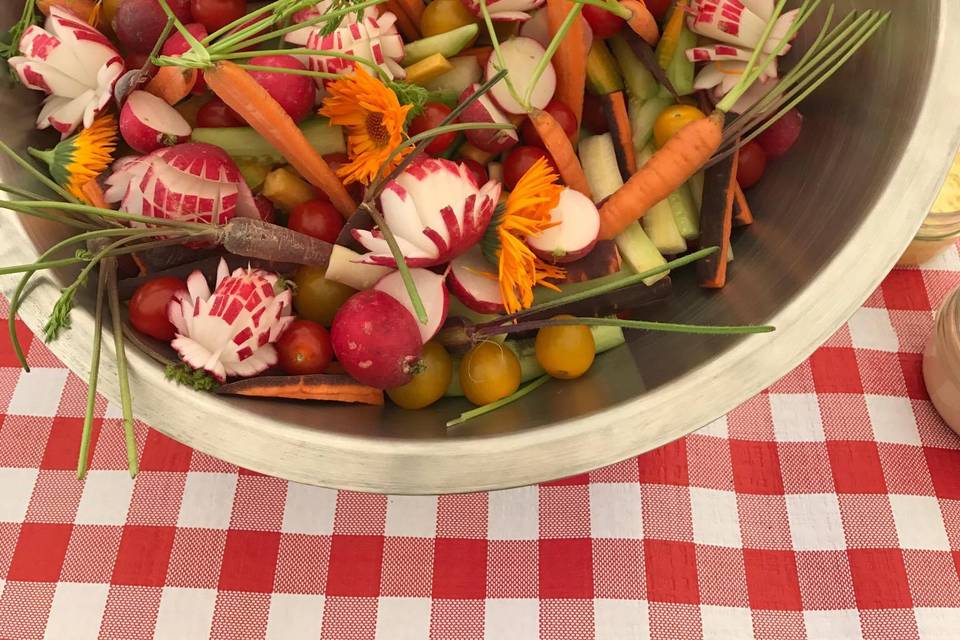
[
  {"x": 318, "y": 219},
  {"x": 593, "y": 116},
  {"x": 317, "y": 298},
  {"x": 752, "y": 164},
  {"x": 478, "y": 170},
  {"x": 565, "y": 352},
  {"x": 429, "y": 383},
  {"x": 672, "y": 119},
  {"x": 268, "y": 213},
  {"x": 658, "y": 7},
  {"x": 561, "y": 113},
  {"x": 304, "y": 349},
  {"x": 519, "y": 161},
  {"x": 441, "y": 16},
  {"x": 214, "y": 14},
  {"x": 489, "y": 372},
  {"x": 433, "y": 114},
  {"x": 148, "y": 307},
  {"x": 216, "y": 114},
  {"x": 782, "y": 134},
  {"x": 603, "y": 23}
]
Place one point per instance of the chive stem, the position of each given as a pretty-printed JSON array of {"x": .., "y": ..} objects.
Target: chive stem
[
  {"x": 83, "y": 459},
  {"x": 645, "y": 325},
  {"x": 126, "y": 401},
  {"x": 571, "y": 17},
  {"x": 493, "y": 406}
]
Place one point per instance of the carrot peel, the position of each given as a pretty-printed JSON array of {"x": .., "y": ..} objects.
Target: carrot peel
[
  {"x": 323, "y": 387},
  {"x": 570, "y": 60},
  {"x": 641, "y": 21},
  {"x": 716, "y": 221},
  {"x": 742, "y": 215}
]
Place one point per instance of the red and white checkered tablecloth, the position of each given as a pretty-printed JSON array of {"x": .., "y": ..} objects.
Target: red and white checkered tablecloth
[{"x": 826, "y": 507}]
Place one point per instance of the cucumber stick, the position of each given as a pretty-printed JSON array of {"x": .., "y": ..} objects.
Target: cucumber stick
[
  {"x": 696, "y": 189},
  {"x": 447, "y": 44},
  {"x": 643, "y": 115},
  {"x": 639, "y": 252},
  {"x": 603, "y": 75},
  {"x": 661, "y": 227},
  {"x": 680, "y": 71},
  {"x": 685, "y": 213},
  {"x": 605, "y": 339},
  {"x": 244, "y": 142},
  {"x": 599, "y": 160},
  {"x": 640, "y": 83}
]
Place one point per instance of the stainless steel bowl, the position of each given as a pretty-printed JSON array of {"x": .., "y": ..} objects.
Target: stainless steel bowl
[{"x": 832, "y": 218}]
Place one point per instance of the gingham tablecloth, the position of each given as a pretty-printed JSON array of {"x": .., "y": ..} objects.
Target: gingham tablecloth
[{"x": 826, "y": 507}]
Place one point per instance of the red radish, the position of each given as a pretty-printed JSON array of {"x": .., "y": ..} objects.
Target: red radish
[
  {"x": 433, "y": 293},
  {"x": 518, "y": 161},
  {"x": 473, "y": 281},
  {"x": 521, "y": 56},
  {"x": 603, "y": 23},
  {"x": 538, "y": 29},
  {"x": 782, "y": 134},
  {"x": 575, "y": 234},
  {"x": 148, "y": 123},
  {"x": 296, "y": 94},
  {"x": 658, "y": 7},
  {"x": 561, "y": 113},
  {"x": 480, "y": 174},
  {"x": 218, "y": 13},
  {"x": 505, "y": 10},
  {"x": 139, "y": 23},
  {"x": 376, "y": 340},
  {"x": 347, "y": 267},
  {"x": 431, "y": 117},
  {"x": 483, "y": 110},
  {"x": 177, "y": 45},
  {"x": 216, "y": 114}
]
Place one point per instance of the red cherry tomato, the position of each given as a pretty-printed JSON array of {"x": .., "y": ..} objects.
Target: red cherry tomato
[
  {"x": 752, "y": 164},
  {"x": 519, "y": 161},
  {"x": 658, "y": 7},
  {"x": 478, "y": 170},
  {"x": 214, "y": 14},
  {"x": 304, "y": 349},
  {"x": 561, "y": 113},
  {"x": 148, "y": 307},
  {"x": 216, "y": 114},
  {"x": 268, "y": 213},
  {"x": 782, "y": 134},
  {"x": 318, "y": 219},
  {"x": 593, "y": 116},
  {"x": 433, "y": 114},
  {"x": 603, "y": 23}
]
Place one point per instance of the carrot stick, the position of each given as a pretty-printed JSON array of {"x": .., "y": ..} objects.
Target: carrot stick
[
  {"x": 482, "y": 54},
  {"x": 244, "y": 95},
  {"x": 642, "y": 21},
  {"x": 558, "y": 145},
  {"x": 334, "y": 388},
  {"x": 413, "y": 9},
  {"x": 172, "y": 84},
  {"x": 254, "y": 238},
  {"x": 615, "y": 108},
  {"x": 602, "y": 260},
  {"x": 94, "y": 194},
  {"x": 570, "y": 60},
  {"x": 672, "y": 165},
  {"x": 742, "y": 216},
  {"x": 671, "y": 34},
  {"x": 716, "y": 221},
  {"x": 407, "y": 26}
]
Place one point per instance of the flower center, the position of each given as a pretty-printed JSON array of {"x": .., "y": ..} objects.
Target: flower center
[{"x": 376, "y": 130}]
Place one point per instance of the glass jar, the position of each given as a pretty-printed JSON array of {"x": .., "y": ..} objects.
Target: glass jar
[
  {"x": 941, "y": 229},
  {"x": 941, "y": 362}
]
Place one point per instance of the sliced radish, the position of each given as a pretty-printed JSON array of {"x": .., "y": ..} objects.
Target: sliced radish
[
  {"x": 521, "y": 56},
  {"x": 575, "y": 234},
  {"x": 538, "y": 28},
  {"x": 483, "y": 110},
  {"x": 433, "y": 293},
  {"x": 473, "y": 281},
  {"x": 148, "y": 123}
]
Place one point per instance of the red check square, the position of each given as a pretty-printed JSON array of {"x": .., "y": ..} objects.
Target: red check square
[
  {"x": 944, "y": 465},
  {"x": 566, "y": 568},
  {"x": 772, "y": 579},
  {"x": 856, "y": 467},
  {"x": 580, "y": 478},
  {"x": 665, "y": 465},
  {"x": 161, "y": 453},
  {"x": 835, "y": 370},
  {"x": 618, "y": 569},
  {"x": 250, "y": 561},
  {"x": 879, "y": 578},
  {"x": 38, "y": 556},
  {"x": 911, "y": 364},
  {"x": 355, "y": 565},
  {"x": 8, "y": 357},
  {"x": 671, "y": 571},
  {"x": 302, "y": 564},
  {"x": 512, "y": 569},
  {"x": 63, "y": 445},
  {"x": 904, "y": 289},
  {"x": 459, "y": 568},
  {"x": 756, "y": 467},
  {"x": 143, "y": 556}
]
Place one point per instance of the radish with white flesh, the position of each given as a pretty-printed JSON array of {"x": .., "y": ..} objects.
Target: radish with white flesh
[
  {"x": 483, "y": 110},
  {"x": 376, "y": 340},
  {"x": 577, "y": 224},
  {"x": 538, "y": 28},
  {"x": 148, "y": 123},
  {"x": 473, "y": 281},
  {"x": 191, "y": 182},
  {"x": 521, "y": 56},
  {"x": 436, "y": 211},
  {"x": 347, "y": 267},
  {"x": 433, "y": 293},
  {"x": 466, "y": 71},
  {"x": 505, "y": 10}
]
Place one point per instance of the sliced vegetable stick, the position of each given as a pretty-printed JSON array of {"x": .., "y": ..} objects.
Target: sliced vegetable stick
[
  {"x": 742, "y": 215},
  {"x": 716, "y": 221},
  {"x": 570, "y": 60},
  {"x": 671, "y": 34},
  {"x": 407, "y": 26},
  {"x": 251, "y": 101},
  {"x": 172, "y": 84},
  {"x": 413, "y": 9},
  {"x": 615, "y": 108},
  {"x": 557, "y": 144},
  {"x": 642, "y": 21},
  {"x": 482, "y": 54},
  {"x": 428, "y": 69},
  {"x": 333, "y": 388}
]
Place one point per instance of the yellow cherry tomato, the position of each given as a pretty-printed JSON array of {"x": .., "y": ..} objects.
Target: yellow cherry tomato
[
  {"x": 441, "y": 16},
  {"x": 430, "y": 383},
  {"x": 489, "y": 372},
  {"x": 316, "y": 298},
  {"x": 672, "y": 119},
  {"x": 565, "y": 352}
]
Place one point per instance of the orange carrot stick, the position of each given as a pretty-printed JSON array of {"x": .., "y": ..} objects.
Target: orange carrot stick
[
  {"x": 671, "y": 33},
  {"x": 244, "y": 95},
  {"x": 672, "y": 165},
  {"x": 742, "y": 215},
  {"x": 94, "y": 194},
  {"x": 172, "y": 84},
  {"x": 570, "y": 60},
  {"x": 558, "y": 145},
  {"x": 407, "y": 26},
  {"x": 615, "y": 108},
  {"x": 331, "y": 388},
  {"x": 716, "y": 221},
  {"x": 413, "y": 9},
  {"x": 642, "y": 21}
]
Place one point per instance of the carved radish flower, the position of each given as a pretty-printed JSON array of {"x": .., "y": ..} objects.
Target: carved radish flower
[
  {"x": 505, "y": 10},
  {"x": 192, "y": 182},
  {"x": 374, "y": 36},
  {"x": 436, "y": 210},
  {"x": 230, "y": 332},
  {"x": 74, "y": 64}
]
